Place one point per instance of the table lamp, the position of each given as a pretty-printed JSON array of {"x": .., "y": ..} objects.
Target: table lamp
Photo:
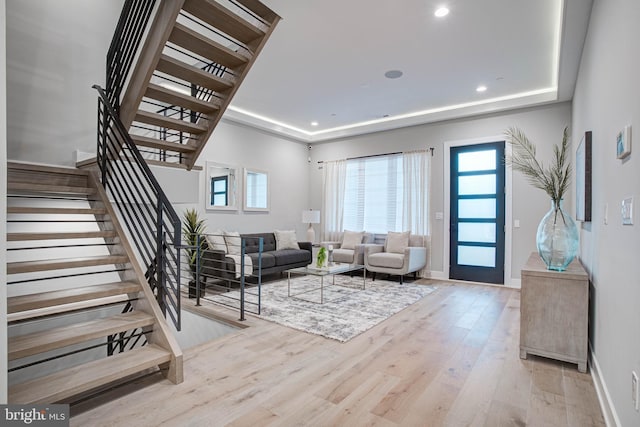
[{"x": 311, "y": 217}]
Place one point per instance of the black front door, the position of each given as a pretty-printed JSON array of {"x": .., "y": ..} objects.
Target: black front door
[{"x": 477, "y": 213}]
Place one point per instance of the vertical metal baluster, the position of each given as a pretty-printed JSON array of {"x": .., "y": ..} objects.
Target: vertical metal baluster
[
  {"x": 160, "y": 270},
  {"x": 197, "y": 269},
  {"x": 242, "y": 252},
  {"x": 260, "y": 248}
]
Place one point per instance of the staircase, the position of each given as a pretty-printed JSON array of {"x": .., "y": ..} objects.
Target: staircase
[
  {"x": 87, "y": 296},
  {"x": 70, "y": 273},
  {"x": 195, "y": 56}
]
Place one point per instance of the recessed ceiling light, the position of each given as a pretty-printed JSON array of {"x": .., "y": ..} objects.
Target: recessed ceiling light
[
  {"x": 314, "y": 123},
  {"x": 393, "y": 74},
  {"x": 441, "y": 12},
  {"x": 481, "y": 88}
]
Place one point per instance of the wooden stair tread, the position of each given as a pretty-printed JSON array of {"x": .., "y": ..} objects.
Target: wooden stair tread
[
  {"x": 67, "y": 296},
  {"x": 172, "y": 165},
  {"x": 49, "y": 189},
  {"x": 14, "y": 237},
  {"x": 192, "y": 74},
  {"x": 78, "y": 379},
  {"x": 197, "y": 43},
  {"x": 63, "y": 263},
  {"x": 162, "y": 145},
  {"x": 68, "y": 308},
  {"x": 172, "y": 97},
  {"x": 32, "y": 167},
  {"x": 47, "y": 210},
  {"x": 223, "y": 19},
  {"x": 168, "y": 122},
  {"x": 51, "y": 339}
]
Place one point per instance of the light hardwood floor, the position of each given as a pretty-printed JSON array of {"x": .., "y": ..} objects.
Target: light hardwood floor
[{"x": 451, "y": 359}]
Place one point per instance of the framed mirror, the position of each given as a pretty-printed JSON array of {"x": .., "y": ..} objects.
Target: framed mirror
[
  {"x": 256, "y": 190},
  {"x": 221, "y": 187}
]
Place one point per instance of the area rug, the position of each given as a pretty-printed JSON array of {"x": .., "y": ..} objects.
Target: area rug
[{"x": 347, "y": 312}]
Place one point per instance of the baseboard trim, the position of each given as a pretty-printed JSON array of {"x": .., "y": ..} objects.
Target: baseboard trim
[
  {"x": 440, "y": 275},
  {"x": 514, "y": 283},
  {"x": 606, "y": 405}
]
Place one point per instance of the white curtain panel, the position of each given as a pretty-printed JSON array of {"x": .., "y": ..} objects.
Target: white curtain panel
[
  {"x": 415, "y": 209},
  {"x": 334, "y": 176}
]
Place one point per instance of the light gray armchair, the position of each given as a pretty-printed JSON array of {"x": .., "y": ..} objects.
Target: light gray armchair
[
  {"x": 401, "y": 254},
  {"x": 350, "y": 249}
]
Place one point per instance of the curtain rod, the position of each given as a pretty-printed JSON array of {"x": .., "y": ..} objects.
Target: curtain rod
[{"x": 378, "y": 155}]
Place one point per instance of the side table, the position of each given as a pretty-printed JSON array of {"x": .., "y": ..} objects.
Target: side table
[{"x": 554, "y": 312}]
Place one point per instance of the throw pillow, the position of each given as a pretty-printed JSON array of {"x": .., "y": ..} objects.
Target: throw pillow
[
  {"x": 351, "y": 238},
  {"x": 286, "y": 239},
  {"x": 216, "y": 241},
  {"x": 234, "y": 242},
  {"x": 397, "y": 242}
]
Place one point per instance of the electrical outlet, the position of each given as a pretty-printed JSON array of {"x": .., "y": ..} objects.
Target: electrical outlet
[{"x": 634, "y": 390}]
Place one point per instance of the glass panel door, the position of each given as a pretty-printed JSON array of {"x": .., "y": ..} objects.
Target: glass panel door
[{"x": 477, "y": 213}]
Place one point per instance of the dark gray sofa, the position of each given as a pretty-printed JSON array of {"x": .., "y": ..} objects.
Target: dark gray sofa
[{"x": 217, "y": 265}]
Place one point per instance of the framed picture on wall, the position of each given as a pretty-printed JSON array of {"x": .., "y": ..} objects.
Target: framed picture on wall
[
  {"x": 583, "y": 179},
  {"x": 623, "y": 143}
]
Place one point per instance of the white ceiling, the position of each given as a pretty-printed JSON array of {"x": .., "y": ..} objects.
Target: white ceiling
[{"x": 326, "y": 62}]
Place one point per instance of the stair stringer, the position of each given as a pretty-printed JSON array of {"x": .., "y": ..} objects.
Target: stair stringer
[{"x": 161, "y": 335}]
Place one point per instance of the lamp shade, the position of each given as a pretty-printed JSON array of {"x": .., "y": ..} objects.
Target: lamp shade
[{"x": 311, "y": 217}]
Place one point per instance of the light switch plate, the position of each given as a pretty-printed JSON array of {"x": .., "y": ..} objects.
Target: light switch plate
[
  {"x": 439, "y": 215},
  {"x": 627, "y": 211}
]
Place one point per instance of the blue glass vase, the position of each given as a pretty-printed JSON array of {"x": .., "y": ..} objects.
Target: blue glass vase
[{"x": 557, "y": 238}]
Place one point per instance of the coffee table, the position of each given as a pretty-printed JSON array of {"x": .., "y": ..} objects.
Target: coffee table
[{"x": 322, "y": 272}]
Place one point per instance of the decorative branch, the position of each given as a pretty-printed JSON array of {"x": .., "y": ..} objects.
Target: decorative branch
[{"x": 553, "y": 180}]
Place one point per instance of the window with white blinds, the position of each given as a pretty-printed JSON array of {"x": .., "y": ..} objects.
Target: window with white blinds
[{"x": 374, "y": 194}]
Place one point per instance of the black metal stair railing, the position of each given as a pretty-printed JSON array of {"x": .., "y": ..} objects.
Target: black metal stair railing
[
  {"x": 124, "y": 45},
  {"x": 151, "y": 221}
]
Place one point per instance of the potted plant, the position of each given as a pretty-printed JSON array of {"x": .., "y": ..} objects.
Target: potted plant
[
  {"x": 322, "y": 257},
  {"x": 557, "y": 235},
  {"x": 193, "y": 229}
]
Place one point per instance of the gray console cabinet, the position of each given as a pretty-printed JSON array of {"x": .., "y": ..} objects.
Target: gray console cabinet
[{"x": 554, "y": 312}]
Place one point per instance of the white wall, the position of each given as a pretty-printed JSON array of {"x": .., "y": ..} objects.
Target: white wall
[
  {"x": 56, "y": 50},
  {"x": 606, "y": 99},
  {"x": 543, "y": 125},
  {"x": 3, "y": 208},
  {"x": 284, "y": 160}
]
